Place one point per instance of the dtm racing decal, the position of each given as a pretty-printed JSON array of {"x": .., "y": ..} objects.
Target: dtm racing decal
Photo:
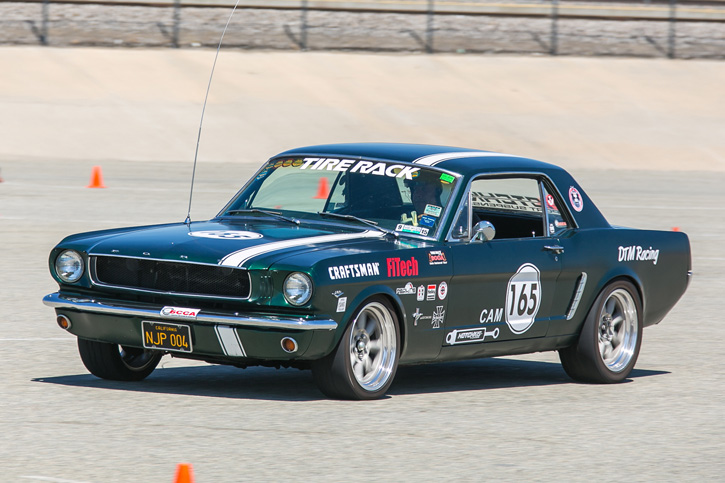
[
  {"x": 637, "y": 253},
  {"x": 523, "y": 298}
]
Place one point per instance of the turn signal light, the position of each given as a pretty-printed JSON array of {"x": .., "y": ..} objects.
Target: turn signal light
[
  {"x": 289, "y": 345},
  {"x": 63, "y": 322}
]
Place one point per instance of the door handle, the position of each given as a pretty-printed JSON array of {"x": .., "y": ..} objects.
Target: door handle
[{"x": 554, "y": 248}]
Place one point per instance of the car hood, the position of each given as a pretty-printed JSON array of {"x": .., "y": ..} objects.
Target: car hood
[{"x": 250, "y": 245}]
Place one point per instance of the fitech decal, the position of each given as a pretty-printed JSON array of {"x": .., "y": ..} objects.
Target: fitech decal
[{"x": 639, "y": 254}]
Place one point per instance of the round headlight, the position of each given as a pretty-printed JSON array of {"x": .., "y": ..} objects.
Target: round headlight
[
  {"x": 298, "y": 288},
  {"x": 69, "y": 266}
]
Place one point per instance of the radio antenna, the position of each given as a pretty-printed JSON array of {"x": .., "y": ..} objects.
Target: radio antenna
[{"x": 201, "y": 122}]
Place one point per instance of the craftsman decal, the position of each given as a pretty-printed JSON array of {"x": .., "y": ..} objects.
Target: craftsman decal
[{"x": 355, "y": 270}]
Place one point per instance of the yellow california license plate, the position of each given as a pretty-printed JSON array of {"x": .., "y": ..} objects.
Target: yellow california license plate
[{"x": 170, "y": 337}]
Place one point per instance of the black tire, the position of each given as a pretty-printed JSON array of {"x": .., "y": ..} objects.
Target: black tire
[
  {"x": 609, "y": 343},
  {"x": 117, "y": 363},
  {"x": 365, "y": 361}
]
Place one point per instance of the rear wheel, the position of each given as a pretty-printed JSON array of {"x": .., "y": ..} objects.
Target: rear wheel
[
  {"x": 115, "y": 362},
  {"x": 365, "y": 361},
  {"x": 610, "y": 339}
]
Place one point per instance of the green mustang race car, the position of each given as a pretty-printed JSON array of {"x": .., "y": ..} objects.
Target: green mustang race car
[{"x": 352, "y": 259}]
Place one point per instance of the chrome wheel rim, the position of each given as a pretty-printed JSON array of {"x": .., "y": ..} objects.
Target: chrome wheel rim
[
  {"x": 137, "y": 359},
  {"x": 372, "y": 346},
  {"x": 618, "y": 330}
]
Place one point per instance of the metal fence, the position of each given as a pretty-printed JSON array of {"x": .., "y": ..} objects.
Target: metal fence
[{"x": 649, "y": 28}]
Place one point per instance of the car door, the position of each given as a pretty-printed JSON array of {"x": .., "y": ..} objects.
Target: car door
[{"x": 502, "y": 289}]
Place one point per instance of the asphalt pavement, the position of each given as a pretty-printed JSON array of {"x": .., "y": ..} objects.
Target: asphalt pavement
[{"x": 517, "y": 418}]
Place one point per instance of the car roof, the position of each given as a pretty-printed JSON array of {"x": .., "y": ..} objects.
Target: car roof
[{"x": 459, "y": 160}]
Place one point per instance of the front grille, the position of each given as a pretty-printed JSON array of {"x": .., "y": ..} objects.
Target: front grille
[{"x": 171, "y": 277}]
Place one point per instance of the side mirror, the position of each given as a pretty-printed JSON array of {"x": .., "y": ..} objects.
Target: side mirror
[{"x": 483, "y": 231}]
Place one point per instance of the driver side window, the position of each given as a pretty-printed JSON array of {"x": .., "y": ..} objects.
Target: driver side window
[{"x": 512, "y": 205}]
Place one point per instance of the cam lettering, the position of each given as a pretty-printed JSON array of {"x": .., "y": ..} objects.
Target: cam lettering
[
  {"x": 363, "y": 167},
  {"x": 355, "y": 270},
  {"x": 489, "y": 316},
  {"x": 402, "y": 268}
]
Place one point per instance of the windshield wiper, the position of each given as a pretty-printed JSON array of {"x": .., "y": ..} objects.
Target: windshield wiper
[
  {"x": 369, "y": 223},
  {"x": 274, "y": 214}
]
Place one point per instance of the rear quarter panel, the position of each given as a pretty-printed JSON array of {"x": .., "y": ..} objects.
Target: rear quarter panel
[{"x": 657, "y": 262}]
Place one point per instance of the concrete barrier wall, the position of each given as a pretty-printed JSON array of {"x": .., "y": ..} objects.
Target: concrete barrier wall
[{"x": 144, "y": 105}]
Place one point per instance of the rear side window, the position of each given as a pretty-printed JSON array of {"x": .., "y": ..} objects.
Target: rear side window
[{"x": 555, "y": 220}]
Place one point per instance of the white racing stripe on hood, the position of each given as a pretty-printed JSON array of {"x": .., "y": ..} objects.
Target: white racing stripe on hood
[
  {"x": 434, "y": 159},
  {"x": 238, "y": 258}
]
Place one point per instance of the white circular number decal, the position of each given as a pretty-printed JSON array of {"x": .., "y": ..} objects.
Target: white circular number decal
[
  {"x": 226, "y": 235},
  {"x": 523, "y": 298}
]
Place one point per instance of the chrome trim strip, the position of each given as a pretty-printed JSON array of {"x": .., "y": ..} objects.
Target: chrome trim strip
[
  {"x": 577, "y": 296},
  {"x": 58, "y": 301}
]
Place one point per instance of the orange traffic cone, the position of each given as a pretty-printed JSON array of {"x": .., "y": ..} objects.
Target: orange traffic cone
[
  {"x": 96, "y": 178},
  {"x": 184, "y": 473},
  {"x": 323, "y": 190}
]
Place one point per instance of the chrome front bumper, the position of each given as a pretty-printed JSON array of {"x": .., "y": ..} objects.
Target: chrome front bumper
[{"x": 58, "y": 301}]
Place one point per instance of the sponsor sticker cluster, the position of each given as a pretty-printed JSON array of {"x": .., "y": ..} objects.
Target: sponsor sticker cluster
[{"x": 436, "y": 319}]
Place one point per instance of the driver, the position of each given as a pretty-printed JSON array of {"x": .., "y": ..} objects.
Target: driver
[{"x": 425, "y": 190}]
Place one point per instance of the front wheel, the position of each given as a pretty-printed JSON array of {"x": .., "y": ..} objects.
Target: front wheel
[
  {"x": 365, "y": 361},
  {"x": 610, "y": 339},
  {"x": 115, "y": 362}
]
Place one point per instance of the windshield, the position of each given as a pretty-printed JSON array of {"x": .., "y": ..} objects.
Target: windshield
[{"x": 404, "y": 198}]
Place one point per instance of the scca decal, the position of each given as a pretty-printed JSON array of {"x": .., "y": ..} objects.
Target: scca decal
[
  {"x": 402, "y": 268},
  {"x": 363, "y": 167},
  {"x": 354, "y": 270},
  {"x": 179, "y": 312}
]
